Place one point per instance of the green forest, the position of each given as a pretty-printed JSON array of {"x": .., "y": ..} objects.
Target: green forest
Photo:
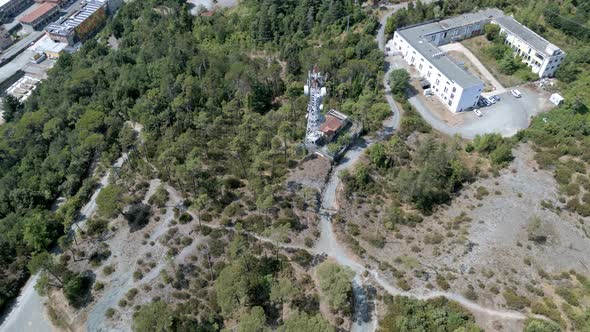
[
  {"x": 221, "y": 102},
  {"x": 219, "y": 97}
]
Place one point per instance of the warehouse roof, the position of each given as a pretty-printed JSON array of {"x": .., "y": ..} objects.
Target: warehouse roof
[
  {"x": 38, "y": 13},
  {"x": 65, "y": 27},
  {"x": 537, "y": 42}
]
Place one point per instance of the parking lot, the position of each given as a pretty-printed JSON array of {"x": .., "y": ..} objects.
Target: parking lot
[{"x": 506, "y": 117}]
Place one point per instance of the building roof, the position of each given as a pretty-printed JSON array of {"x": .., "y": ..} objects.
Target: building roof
[
  {"x": 66, "y": 26},
  {"x": 537, "y": 42},
  {"x": 39, "y": 12},
  {"x": 46, "y": 44},
  {"x": 470, "y": 18},
  {"x": 334, "y": 122},
  {"x": 415, "y": 36},
  {"x": 439, "y": 59},
  {"x": 4, "y": 2}
]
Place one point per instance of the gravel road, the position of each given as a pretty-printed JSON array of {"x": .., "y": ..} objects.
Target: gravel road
[{"x": 28, "y": 313}]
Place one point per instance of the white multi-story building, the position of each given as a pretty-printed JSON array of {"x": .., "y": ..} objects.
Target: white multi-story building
[
  {"x": 543, "y": 57},
  {"x": 457, "y": 88}
]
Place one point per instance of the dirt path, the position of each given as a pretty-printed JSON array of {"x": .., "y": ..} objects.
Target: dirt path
[
  {"x": 365, "y": 313},
  {"x": 458, "y": 47},
  {"x": 329, "y": 244}
]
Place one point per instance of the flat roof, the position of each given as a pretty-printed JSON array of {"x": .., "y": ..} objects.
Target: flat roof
[
  {"x": 439, "y": 59},
  {"x": 38, "y": 12},
  {"x": 65, "y": 27},
  {"x": 46, "y": 44},
  {"x": 470, "y": 18},
  {"x": 537, "y": 42},
  {"x": 3, "y": 2}
]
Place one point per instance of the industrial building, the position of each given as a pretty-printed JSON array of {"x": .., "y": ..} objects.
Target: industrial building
[
  {"x": 458, "y": 89},
  {"x": 10, "y": 8},
  {"x": 80, "y": 25},
  {"x": 41, "y": 16},
  {"x": 49, "y": 47}
]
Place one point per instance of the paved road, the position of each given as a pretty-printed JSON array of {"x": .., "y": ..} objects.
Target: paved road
[
  {"x": 28, "y": 314},
  {"x": 506, "y": 117}
]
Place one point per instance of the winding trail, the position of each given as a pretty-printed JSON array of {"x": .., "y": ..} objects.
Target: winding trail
[{"x": 365, "y": 315}]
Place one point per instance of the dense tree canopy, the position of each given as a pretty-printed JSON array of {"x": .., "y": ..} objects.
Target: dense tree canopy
[{"x": 218, "y": 96}]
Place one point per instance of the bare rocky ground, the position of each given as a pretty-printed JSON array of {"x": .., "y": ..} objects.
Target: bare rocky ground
[
  {"x": 312, "y": 173},
  {"x": 139, "y": 257},
  {"x": 481, "y": 243}
]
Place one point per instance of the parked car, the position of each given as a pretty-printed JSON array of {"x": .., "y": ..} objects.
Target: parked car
[
  {"x": 485, "y": 101},
  {"x": 516, "y": 93},
  {"x": 477, "y": 112},
  {"x": 494, "y": 99}
]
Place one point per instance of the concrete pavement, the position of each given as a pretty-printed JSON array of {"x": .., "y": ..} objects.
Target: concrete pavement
[{"x": 506, "y": 117}]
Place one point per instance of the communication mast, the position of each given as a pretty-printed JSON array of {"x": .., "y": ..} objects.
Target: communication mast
[{"x": 316, "y": 91}]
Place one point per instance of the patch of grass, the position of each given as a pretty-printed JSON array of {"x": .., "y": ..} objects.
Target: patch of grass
[
  {"x": 568, "y": 295},
  {"x": 481, "y": 192},
  {"x": 548, "y": 309},
  {"x": 108, "y": 270},
  {"x": 477, "y": 46}
]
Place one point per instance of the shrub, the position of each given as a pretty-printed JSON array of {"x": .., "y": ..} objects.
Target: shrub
[
  {"x": 76, "y": 289},
  {"x": 108, "y": 270},
  {"x": 160, "y": 197},
  {"x": 403, "y": 284},
  {"x": 442, "y": 282},
  {"x": 98, "y": 286},
  {"x": 568, "y": 295},
  {"x": 515, "y": 301},
  {"x": 470, "y": 294},
  {"x": 185, "y": 218},
  {"x": 109, "y": 313},
  {"x": 440, "y": 314},
  {"x": 433, "y": 238},
  {"x": 138, "y": 215},
  {"x": 376, "y": 240},
  {"x": 536, "y": 325}
]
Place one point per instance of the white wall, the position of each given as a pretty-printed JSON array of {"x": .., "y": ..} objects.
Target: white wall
[
  {"x": 545, "y": 67},
  {"x": 452, "y": 95}
]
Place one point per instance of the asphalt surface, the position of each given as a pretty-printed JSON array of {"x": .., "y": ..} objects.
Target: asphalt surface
[
  {"x": 506, "y": 117},
  {"x": 27, "y": 315}
]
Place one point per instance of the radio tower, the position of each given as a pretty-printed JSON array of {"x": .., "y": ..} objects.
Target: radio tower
[{"x": 316, "y": 91}]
